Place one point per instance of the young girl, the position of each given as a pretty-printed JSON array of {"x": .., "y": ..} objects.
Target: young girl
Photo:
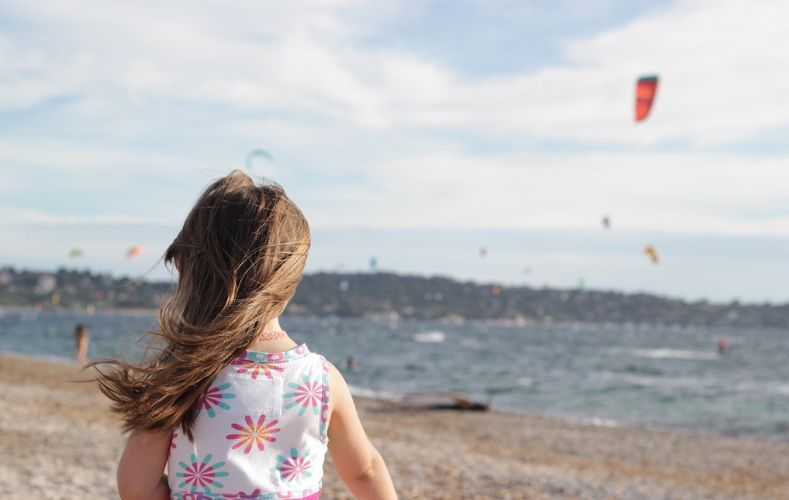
[{"x": 232, "y": 405}]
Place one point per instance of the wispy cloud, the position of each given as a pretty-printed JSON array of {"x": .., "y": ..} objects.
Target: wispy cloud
[
  {"x": 119, "y": 113},
  {"x": 31, "y": 216}
]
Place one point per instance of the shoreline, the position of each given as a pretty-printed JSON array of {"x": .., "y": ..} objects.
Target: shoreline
[
  {"x": 369, "y": 395},
  {"x": 384, "y": 317},
  {"x": 65, "y": 443}
]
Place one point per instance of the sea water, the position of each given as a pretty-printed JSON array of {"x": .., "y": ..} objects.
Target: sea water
[{"x": 605, "y": 374}]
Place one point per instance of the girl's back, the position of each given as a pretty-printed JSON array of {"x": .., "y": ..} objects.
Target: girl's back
[
  {"x": 260, "y": 432},
  {"x": 226, "y": 401}
]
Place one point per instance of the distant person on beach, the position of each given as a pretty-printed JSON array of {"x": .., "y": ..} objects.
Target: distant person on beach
[
  {"x": 81, "y": 341},
  {"x": 233, "y": 405},
  {"x": 351, "y": 363}
]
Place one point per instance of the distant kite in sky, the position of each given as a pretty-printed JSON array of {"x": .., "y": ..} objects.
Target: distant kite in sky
[
  {"x": 650, "y": 252},
  {"x": 606, "y": 221},
  {"x": 483, "y": 252},
  {"x": 134, "y": 251},
  {"x": 264, "y": 155},
  {"x": 75, "y": 252},
  {"x": 646, "y": 88},
  {"x": 373, "y": 263}
]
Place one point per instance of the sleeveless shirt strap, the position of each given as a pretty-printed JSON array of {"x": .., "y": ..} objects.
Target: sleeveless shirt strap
[{"x": 324, "y": 426}]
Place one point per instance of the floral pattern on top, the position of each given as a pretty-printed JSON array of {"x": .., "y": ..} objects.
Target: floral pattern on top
[
  {"x": 308, "y": 394},
  {"x": 260, "y": 431},
  {"x": 256, "y": 369},
  {"x": 278, "y": 357},
  {"x": 254, "y": 433},
  {"x": 214, "y": 397},
  {"x": 201, "y": 475},
  {"x": 295, "y": 467},
  {"x": 244, "y": 496}
]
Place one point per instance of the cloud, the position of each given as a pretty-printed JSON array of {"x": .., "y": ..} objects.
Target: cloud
[
  {"x": 32, "y": 216},
  {"x": 722, "y": 66},
  {"x": 678, "y": 193},
  {"x": 372, "y": 135}
]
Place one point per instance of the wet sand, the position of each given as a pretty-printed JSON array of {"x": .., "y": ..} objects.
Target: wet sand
[{"x": 59, "y": 440}]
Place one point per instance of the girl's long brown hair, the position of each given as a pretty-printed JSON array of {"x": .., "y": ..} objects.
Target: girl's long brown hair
[{"x": 239, "y": 256}]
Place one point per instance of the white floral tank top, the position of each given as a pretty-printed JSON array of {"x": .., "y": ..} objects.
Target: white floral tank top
[{"x": 260, "y": 432}]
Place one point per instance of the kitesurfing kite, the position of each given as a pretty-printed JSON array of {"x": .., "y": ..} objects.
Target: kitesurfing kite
[
  {"x": 134, "y": 251},
  {"x": 650, "y": 251},
  {"x": 75, "y": 252},
  {"x": 606, "y": 222},
  {"x": 258, "y": 153},
  {"x": 483, "y": 252},
  {"x": 646, "y": 88}
]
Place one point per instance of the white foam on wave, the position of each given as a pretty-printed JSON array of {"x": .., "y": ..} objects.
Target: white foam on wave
[
  {"x": 593, "y": 421},
  {"x": 672, "y": 354},
  {"x": 657, "y": 381},
  {"x": 603, "y": 422},
  {"x": 431, "y": 337},
  {"x": 774, "y": 387},
  {"x": 364, "y": 392}
]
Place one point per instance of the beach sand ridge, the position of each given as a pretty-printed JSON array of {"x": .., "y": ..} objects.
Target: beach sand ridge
[{"x": 58, "y": 439}]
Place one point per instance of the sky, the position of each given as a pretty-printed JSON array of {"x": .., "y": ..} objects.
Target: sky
[{"x": 415, "y": 132}]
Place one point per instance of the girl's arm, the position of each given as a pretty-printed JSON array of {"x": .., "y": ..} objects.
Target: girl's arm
[
  {"x": 141, "y": 469},
  {"x": 358, "y": 463}
]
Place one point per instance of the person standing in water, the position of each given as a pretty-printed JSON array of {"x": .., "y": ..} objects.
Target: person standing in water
[
  {"x": 351, "y": 363},
  {"x": 230, "y": 403},
  {"x": 81, "y": 341}
]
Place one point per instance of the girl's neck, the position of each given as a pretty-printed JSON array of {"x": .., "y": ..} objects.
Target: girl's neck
[{"x": 280, "y": 344}]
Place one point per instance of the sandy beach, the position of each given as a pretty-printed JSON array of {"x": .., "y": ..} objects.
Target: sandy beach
[{"x": 58, "y": 440}]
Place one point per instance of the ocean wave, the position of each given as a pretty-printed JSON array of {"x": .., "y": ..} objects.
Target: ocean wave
[
  {"x": 365, "y": 392},
  {"x": 602, "y": 422},
  {"x": 671, "y": 354},
  {"x": 764, "y": 387},
  {"x": 659, "y": 382},
  {"x": 431, "y": 337}
]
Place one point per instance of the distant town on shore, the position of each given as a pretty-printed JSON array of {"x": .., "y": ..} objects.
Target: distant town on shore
[{"x": 388, "y": 296}]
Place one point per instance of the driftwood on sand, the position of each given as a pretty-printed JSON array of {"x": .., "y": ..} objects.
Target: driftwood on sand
[{"x": 442, "y": 401}]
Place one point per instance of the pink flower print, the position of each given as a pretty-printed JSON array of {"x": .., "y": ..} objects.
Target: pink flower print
[
  {"x": 254, "y": 433},
  {"x": 201, "y": 474},
  {"x": 294, "y": 467},
  {"x": 255, "y": 369},
  {"x": 172, "y": 441},
  {"x": 308, "y": 394},
  {"x": 213, "y": 398}
]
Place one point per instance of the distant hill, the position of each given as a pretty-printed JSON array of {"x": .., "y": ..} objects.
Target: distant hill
[{"x": 392, "y": 296}]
